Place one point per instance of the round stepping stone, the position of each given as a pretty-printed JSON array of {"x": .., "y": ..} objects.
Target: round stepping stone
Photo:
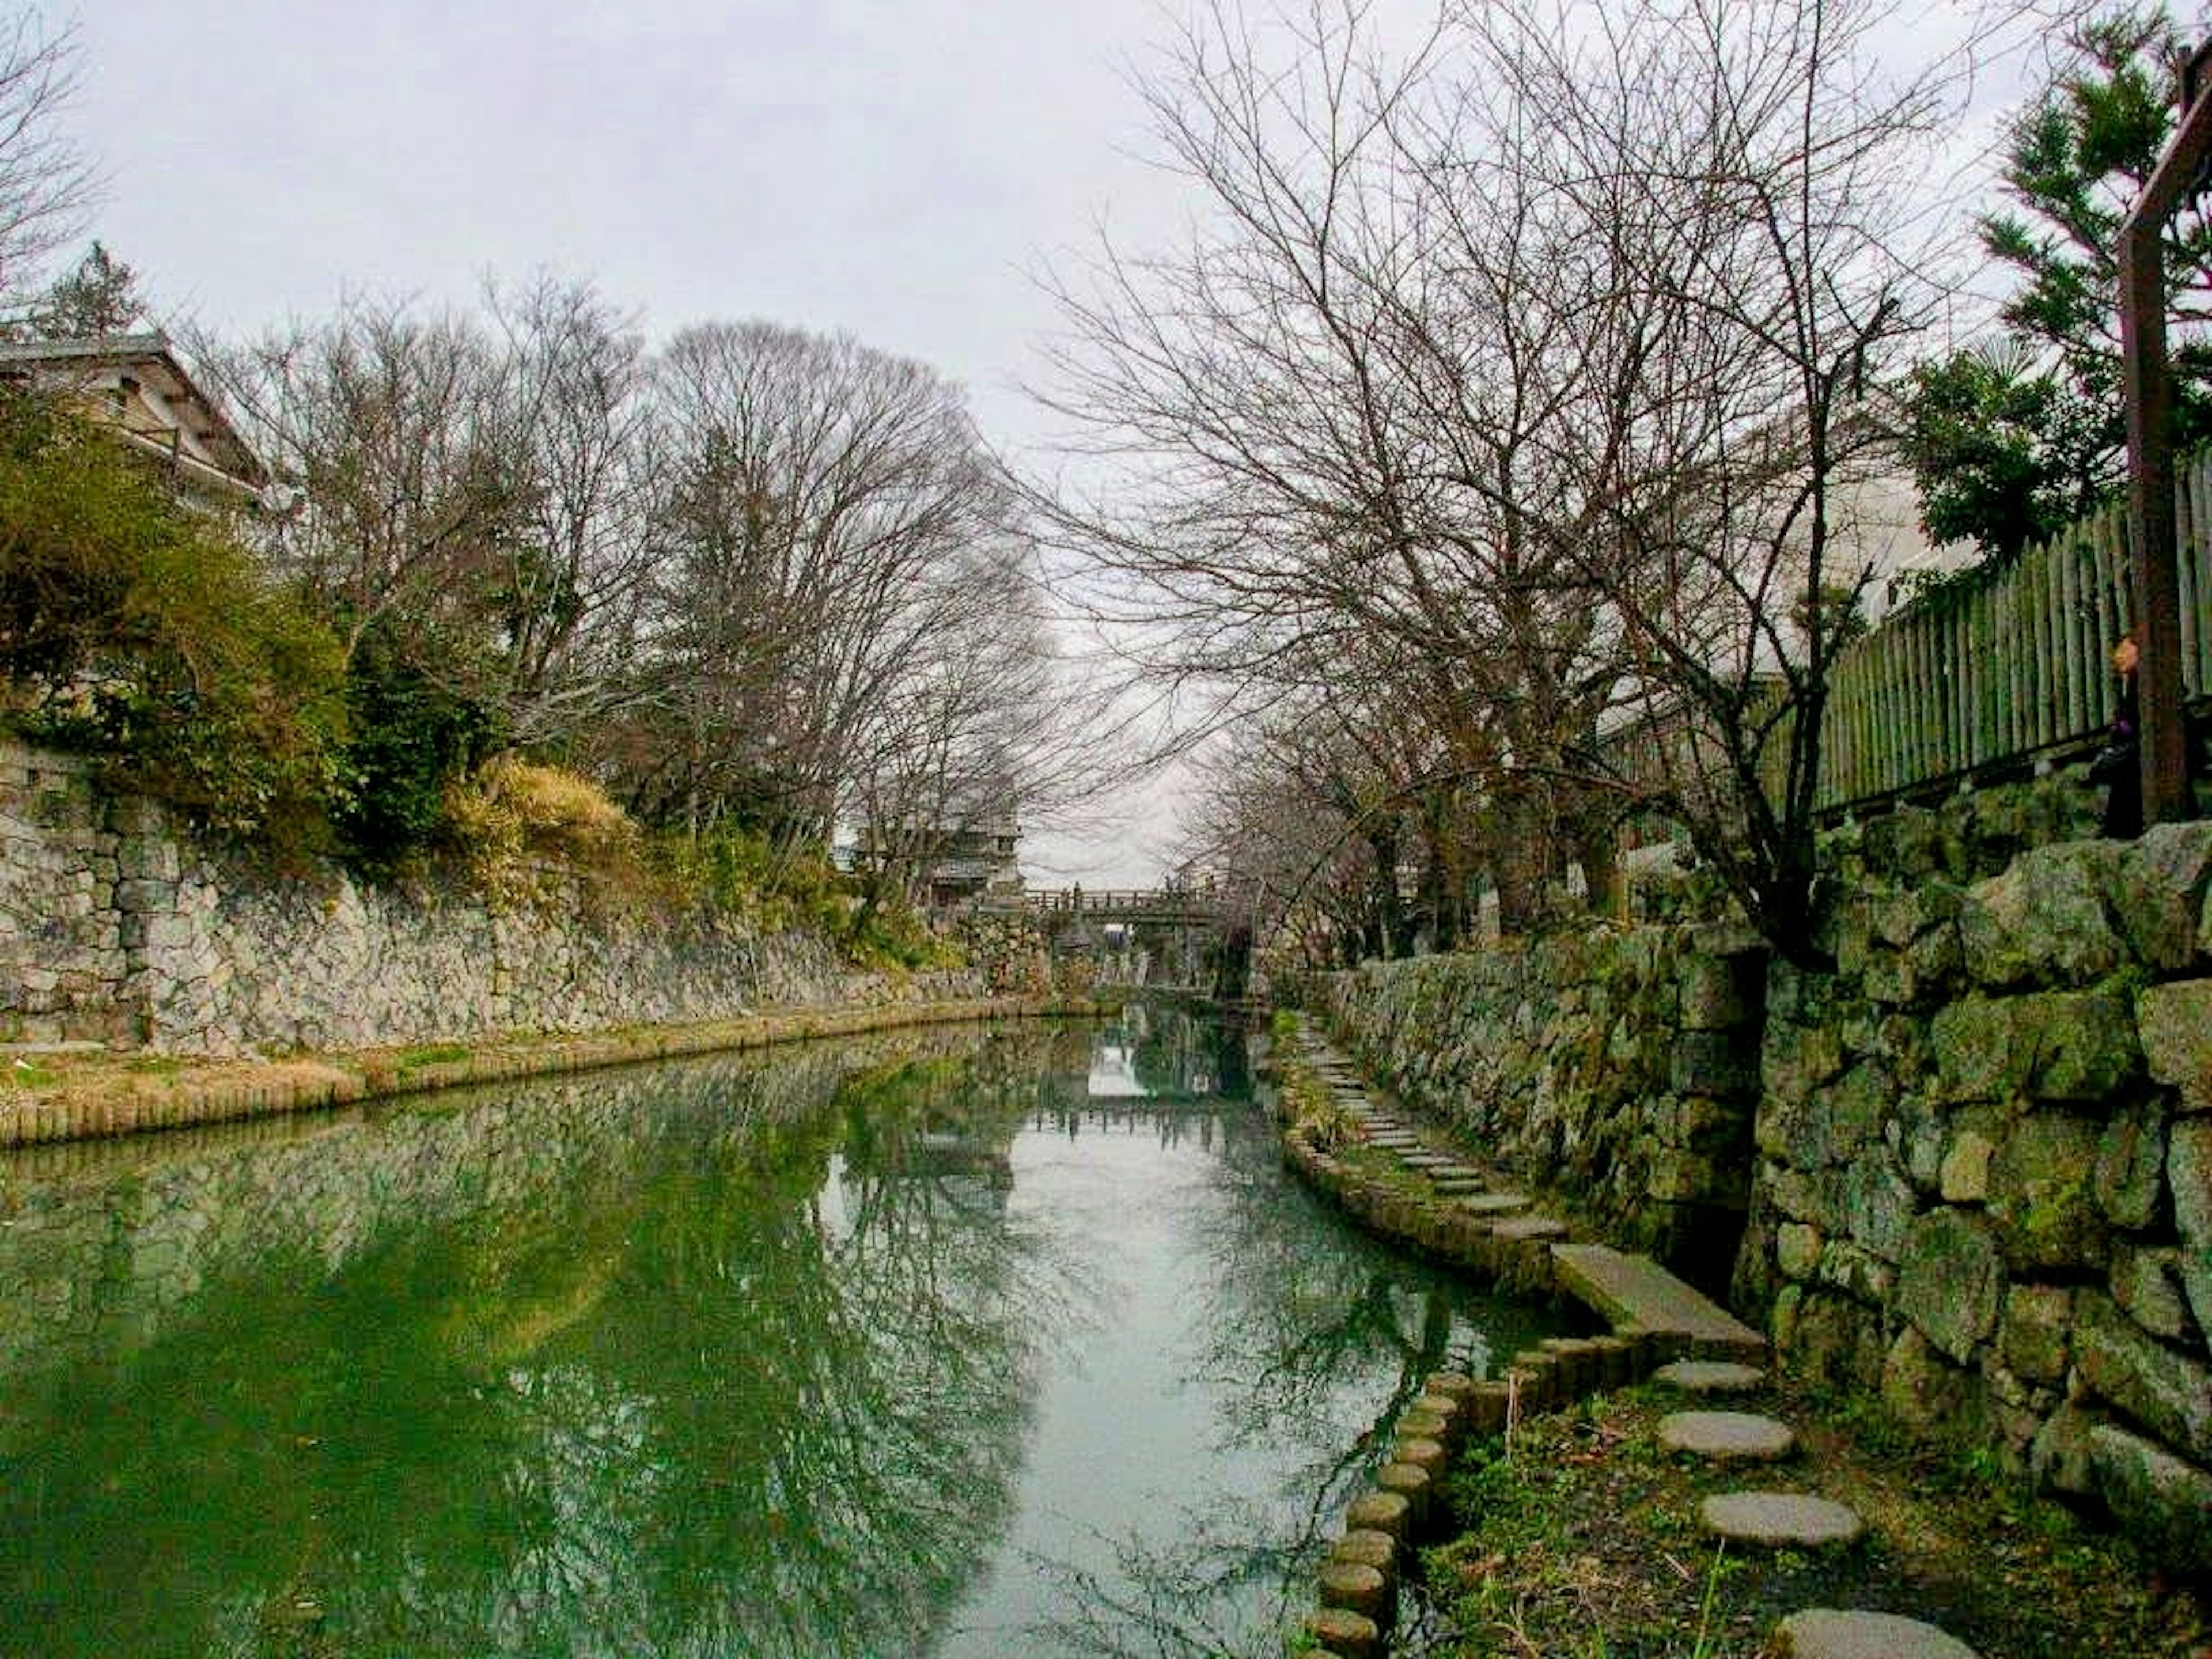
[
  {"x": 1726, "y": 1436},
  {"x": 1824, "y": 1633},
  {"x": 1709, "y": 1376},
  {"x": 1780, "y": 1520}
]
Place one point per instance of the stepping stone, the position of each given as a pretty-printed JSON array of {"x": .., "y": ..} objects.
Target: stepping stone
[
  {"x": 1528, "y": 1226},
  {"x": 1780, "y": 1520},
  {"x": 1634, "y": 1290},
  {"x": 1824, "y": 1633},
  {"x": 1494, "y": 1204},
  {"x": 1454, "y": 1184},
  {"x": 1726, "y": 1436},
  {"x": 1709, "y": 1376}
]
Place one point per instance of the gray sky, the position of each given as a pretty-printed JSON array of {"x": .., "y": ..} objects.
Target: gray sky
[{"x": 898, "y": 169}]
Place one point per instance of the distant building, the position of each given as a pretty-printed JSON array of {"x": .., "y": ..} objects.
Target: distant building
[
  {"x": 133, "y": 385},
  {"x": 949, "y": 867}
]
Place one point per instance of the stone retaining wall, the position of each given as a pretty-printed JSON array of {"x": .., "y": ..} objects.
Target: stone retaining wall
[
  {"x": 116, "y": 928},
  {"x": 1979, "y": 1170},
  {"x": 1620, "y": 1068}
]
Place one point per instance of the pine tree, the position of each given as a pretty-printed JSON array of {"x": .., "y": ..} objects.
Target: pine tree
[
  {"x": 101, "y": 297},
  {"x": 2010, "y": 442}
]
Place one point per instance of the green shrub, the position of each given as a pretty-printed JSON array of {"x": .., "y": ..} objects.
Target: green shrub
[
  {"x": 136, "y": 629},
  {"x": 413, "y": 738}
]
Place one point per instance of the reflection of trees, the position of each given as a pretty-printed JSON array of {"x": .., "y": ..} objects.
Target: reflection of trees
[{"x": 686, "y": 1410}]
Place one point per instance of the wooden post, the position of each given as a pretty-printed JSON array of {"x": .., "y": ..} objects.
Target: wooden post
[{"x": 2148, "y": 380}]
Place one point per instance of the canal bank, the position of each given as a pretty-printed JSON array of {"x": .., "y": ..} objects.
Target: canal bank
[
  {"x": 86, "y": 1090},
  {"x": 1570, "y": 1505}
]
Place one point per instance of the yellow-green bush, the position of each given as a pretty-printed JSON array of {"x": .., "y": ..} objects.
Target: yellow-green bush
[{"x": 512, "y": 821}]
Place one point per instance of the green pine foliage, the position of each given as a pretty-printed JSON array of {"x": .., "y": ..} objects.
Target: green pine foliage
[{"x": 2009, "y": 443}]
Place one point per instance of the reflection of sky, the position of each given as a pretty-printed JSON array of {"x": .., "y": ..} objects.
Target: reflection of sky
[{"x": 1114, "y": 1073}]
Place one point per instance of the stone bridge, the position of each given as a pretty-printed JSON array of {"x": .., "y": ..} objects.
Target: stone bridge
[{"x": 1168, "y": 938}]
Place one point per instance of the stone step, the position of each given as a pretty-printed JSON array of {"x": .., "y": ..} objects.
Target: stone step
[
  {"x": 1516, "y": 1227},
  {"x": 1780, "y": 1520},
  {"x": 1709, "y": 1376},
  {"x": 1458, "y": 1183},
  {"x": 1493, "y": 1205},
  {"x": 1726, "y": 1436},
  {"x": 1827, "y": 1633},
  {"x": 1634, "y": 1290}
]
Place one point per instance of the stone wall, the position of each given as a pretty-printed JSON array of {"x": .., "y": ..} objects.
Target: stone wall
[
  {"x": 1619, "y": 1067},
  {"x": 1979, "y": 1156},
  {"x": 116, "y": 928},
  {"x": 1986, "y": 1165}
]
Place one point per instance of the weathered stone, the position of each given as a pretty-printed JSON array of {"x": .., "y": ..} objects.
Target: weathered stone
[
  {"x": 2131, "y": 1161},
  {"x": 2059, "y": 1459},
  {"x": 1827, "y": 1633},
  {"x": 1950, "y": 1281},
  {"x": 2161, "y": 1498},
  {"x": 2175, "y": 1024},
  {"x": 1348, "y": 1634},
  {"x": 1963, "y": 1175},
  {"x": 1379, "y": 1511},
  {"x": 1726, "y": 1436},
  {"x": 1711, "y": 1063},
  {"x": 2189, "y": 1178},
  {"x": 1881, "y": 1205},
  {"x": 1378, "y": 1549},
  {"x": 2041, "y": 1192},
  {"x": 2159, "y": 893},
  {"x": 1780, "y": 1520},
  {"x": 1856, "y": 1272},
  {"x": 2038, "y": 1319},
  {"x": 1829, "y": 1338},
  {"x": 1795, "y": 1060},
  {"x": 1797, "y": 1249},
  {"x": 2166, "y": 1392},
  {"x": 1354, "y": 1587},
  {"x": 2043, "y": 922},
  {"x": 2085, "y": 1044},
  {"x": 1979, "y": 1053},
  {"x": 2146, "y": 1282},
  {"x": 1815, "y": 1196},
  {"x": 1719, "y": 993},
  {"x": 1709, "y": 1376},
  {"x": 1932, "y": 1398}
]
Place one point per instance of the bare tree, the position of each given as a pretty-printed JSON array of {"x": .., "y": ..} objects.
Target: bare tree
[
  {"x": 818, "y": 503},
  {"x": 46, "y": 183}
]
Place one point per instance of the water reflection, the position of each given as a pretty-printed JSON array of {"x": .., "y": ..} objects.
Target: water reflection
[{"x": 890, "y": 1347}]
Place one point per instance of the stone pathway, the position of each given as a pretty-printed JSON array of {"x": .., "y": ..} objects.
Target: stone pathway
[{"x": 1631, "y": 1291}]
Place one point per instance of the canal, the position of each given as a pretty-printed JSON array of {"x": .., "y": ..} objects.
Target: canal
[{"x": 958, "y": 1343}]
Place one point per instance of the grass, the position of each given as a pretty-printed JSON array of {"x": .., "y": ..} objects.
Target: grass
[
  {"x": 1586, "y": 1542},
  {"x": 432, "y": 1054}
]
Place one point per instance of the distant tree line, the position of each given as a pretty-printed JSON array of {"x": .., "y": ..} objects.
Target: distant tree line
[{"x": 753, "y": 584}]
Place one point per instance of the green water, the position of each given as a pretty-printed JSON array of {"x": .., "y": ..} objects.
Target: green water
[{"x": 952, "y": 1344}]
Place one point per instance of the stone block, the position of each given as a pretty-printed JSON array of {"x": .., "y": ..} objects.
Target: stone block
[
  {"x": 1979, "y": 1050},
  {"x": 2166, "y": 1392},
  {"x": 1950, "y": 1282},
  {"x": 2059, "y": 1459},
  {"x": 2189, "y": 1178},
  {"x": 2159, "y": 891},
  {"x": 2085, "y": 1044},
  {"x": 2034, "y": 1336},
  {"x": 2164, "y": 1500},
  {"x": 2175, "y": 1024},
  {"x": 1797, "y": 1249},
  {"x": 1712, "y": 1063},
  {"x": 2042, "y": 1193},
  {"x": 1931, "y": 1399},
  {"x": 2146, "y": 1282},
  {"x": 1964, "y": 1176},
  {"x": 1811, "y": 1196},
  {"x": 2130, "y": 1162},
  {"x": 2043, "y": 922},
  {"x": 1881, "y": 1205}
]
